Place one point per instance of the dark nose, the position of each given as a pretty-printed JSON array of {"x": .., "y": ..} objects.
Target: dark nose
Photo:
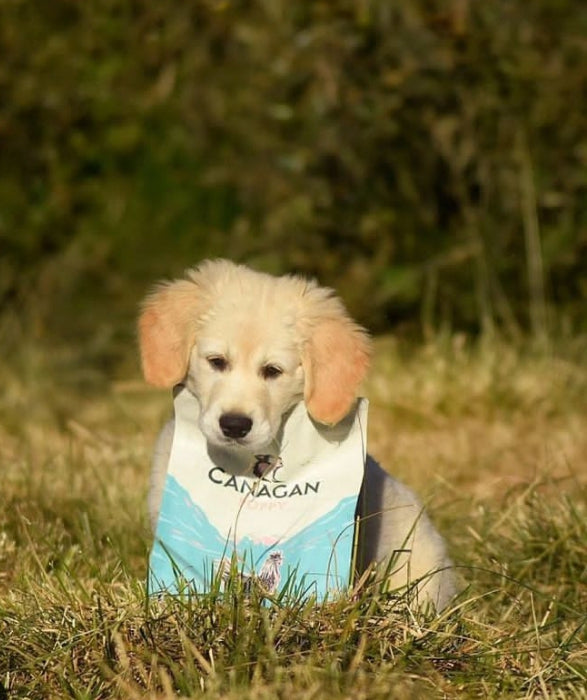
[{"x": 235, "y": 425}]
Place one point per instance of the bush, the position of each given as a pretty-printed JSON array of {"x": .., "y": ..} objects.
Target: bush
[{"x": 427, "y": 158}]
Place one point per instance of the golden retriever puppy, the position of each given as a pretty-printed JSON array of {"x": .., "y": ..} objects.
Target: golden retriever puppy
[{"x": 250, "y": 346}]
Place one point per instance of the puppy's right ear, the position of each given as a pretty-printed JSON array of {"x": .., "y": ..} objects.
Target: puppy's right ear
[{"x": 167, "y": 331}]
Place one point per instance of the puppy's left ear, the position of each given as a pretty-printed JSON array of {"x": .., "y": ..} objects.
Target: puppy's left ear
[
  {"x": 167, "y": 331},
  {"x": 335, "y": 360}
]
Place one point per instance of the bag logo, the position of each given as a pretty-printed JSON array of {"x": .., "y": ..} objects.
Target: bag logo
[{"x": 266, "y": 482}]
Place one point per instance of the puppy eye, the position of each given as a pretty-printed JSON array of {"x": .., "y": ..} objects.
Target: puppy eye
[
  {"x": 219, "y": 363},
  {"x": 271, "y": 371}
]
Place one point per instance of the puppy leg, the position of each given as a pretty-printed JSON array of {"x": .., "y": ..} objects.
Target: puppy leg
[
  {"x": 395, "y": 527},
  {"x": 159, "y": 471}
]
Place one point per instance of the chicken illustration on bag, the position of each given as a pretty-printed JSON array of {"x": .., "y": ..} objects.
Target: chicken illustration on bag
[{"x": 268, "y": 578}]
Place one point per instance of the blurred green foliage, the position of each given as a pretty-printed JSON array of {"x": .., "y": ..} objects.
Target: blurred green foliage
[{"x": 428, "y": 159}]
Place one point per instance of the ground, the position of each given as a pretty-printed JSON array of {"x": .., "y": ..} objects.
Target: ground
[{"x": 493, "y": 437}]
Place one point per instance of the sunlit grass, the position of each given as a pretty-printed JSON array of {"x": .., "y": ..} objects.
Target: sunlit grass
[{"x": 494, "y": 437}]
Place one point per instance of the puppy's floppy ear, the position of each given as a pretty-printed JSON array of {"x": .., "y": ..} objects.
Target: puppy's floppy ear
[
  {"x": 335, "y": 358},
  {"x": 167, "y": 331}
]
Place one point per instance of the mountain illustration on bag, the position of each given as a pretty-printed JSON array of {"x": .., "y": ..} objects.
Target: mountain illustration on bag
[{"x": 189, "y": 542}]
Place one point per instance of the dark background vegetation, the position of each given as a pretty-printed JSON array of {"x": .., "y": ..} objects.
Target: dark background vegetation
[{"x": 427, "y": 158}]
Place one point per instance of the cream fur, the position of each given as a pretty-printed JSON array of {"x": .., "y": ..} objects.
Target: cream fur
[{"x": 250, "y": 345}]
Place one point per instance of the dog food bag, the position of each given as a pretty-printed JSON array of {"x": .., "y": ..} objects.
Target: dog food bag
[{"x": 285, "y": 522}]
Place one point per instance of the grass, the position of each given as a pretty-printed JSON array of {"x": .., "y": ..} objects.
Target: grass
[{"x": 492, "y": 436}]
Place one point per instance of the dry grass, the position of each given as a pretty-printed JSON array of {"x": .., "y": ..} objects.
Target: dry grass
[
  {"x": 496, "y": 440},
  {"x": 484, "y": 419}
]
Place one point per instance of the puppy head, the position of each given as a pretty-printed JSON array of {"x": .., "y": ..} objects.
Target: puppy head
[{"x": 250, "y": 346}]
